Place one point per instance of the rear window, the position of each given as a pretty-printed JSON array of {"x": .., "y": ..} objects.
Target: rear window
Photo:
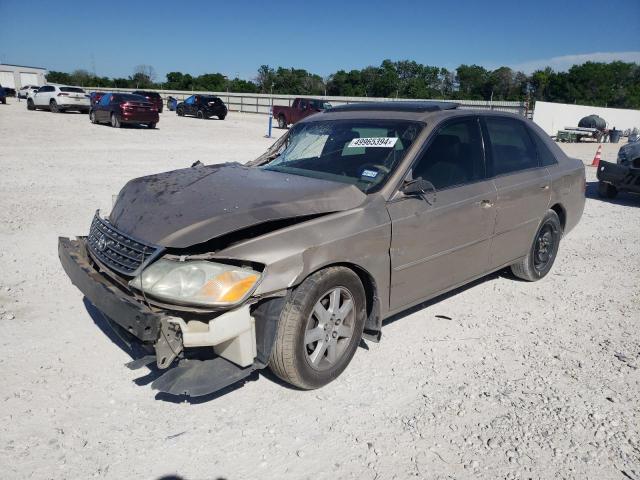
[
  {"x": 71, "y": 89},
  {"x": 148, "y": 94},
  {"x": 130, "y": 97}
]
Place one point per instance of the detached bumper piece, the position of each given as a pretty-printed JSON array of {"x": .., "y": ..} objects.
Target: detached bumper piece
[
  {"x": 200, "y": 377},
  {"x": 231, "y": 335},
  {"x": 622, "y": 177}
]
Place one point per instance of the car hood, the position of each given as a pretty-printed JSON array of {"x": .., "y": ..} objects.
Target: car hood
[{"x": 186, "y": 207}]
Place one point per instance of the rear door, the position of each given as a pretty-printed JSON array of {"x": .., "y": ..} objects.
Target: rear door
[
  {"x": 102, "y": 108},
  {"x": 522, "y": 183},
  {"x": 189, "y": 104},
  {"x": 439, "y": 245}
]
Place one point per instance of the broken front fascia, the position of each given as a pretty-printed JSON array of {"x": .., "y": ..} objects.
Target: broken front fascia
[{"x": 232, "y": 336}]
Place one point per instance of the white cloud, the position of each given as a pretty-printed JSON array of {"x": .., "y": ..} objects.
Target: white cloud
[{"x": 566, "y": 61}]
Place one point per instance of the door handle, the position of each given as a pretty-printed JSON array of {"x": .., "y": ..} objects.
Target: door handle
[{"x": 485, "y": 203}]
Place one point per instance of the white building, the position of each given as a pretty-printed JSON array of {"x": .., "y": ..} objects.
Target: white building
[{"x": 17, "y": 76}]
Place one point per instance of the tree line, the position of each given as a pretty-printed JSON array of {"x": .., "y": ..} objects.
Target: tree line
[{"x": 615, "y": 84}]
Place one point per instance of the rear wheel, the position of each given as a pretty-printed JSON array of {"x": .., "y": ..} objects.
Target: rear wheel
[
  {"x": 222, "y": 117},
  {"x": 180, "y": 111},
  {"x": 92, "y": 117},
  {"x": 115, "y": 121},
  {"x": 151, "y": 125},
  {"x": 543, "y": 251},
  {"x": 282, "y": 122},
  {"x": 30, "y": 105},
  {"x": 319, "y": 328},
  {"x": 200, "y": 115},
  {"x": 53, "y": 106},
  {"x": 606, "y": 190}
]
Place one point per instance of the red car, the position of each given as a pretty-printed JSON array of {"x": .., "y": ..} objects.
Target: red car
[
  {"x": 152, "y": 97},
  {"x": 301, "y": 108},
  {"x": 124, "y": 108}
]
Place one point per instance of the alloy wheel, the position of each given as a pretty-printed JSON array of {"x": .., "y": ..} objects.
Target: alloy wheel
[{"x": 329, "y": 328}]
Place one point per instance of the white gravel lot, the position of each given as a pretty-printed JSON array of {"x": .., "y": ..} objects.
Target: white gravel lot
[{"x": 502, "y": 379}]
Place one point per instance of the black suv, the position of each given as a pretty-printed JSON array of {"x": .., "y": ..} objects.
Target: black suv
[{"x": 202, "y": 106}]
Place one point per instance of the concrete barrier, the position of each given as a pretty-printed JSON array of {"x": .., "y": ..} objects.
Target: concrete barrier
[{"x": 260, "y": 102}]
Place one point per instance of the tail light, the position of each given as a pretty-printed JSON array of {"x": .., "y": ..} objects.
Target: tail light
[
  {"x": 63, "y": 94},
  {"x": 125, "y": 106}
]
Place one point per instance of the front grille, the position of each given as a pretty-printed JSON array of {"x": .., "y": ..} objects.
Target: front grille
[{"x": 117, "y": 250}]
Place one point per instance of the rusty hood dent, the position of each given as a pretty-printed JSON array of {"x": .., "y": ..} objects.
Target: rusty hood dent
[{"x": 181, "y": 208}]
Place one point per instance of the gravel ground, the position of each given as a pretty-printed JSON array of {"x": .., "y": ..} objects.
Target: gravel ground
[{"x": 501, "y": 379}]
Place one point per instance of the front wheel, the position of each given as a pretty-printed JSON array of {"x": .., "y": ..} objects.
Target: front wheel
[
  {"x": 606, "y": 190},
  {"x": 180, "y": 111},
  {"x": 115, "y": 121},
  {"x": 319, "y": 328},
  {"x": 221, "y": 117},
  {"x": 31, "y": 105},
  {"x": 151, "y": 125},
  {"x": 92, "y": 117},
  {"x": 200, "y": 115},
  {"x": 53, "y": 106},
  {"x": 282, "y": 122},
  {"x": 543, "y": 251}
]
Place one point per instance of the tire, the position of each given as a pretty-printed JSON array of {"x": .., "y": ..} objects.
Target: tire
[
  {"x": 606, "y": 190},
  {"x": 222, "y": 117},
  {"x": 307, "y": 315},
  {"x": 92, "y": 117},
  {"x": 180, "y": 111},
  {"x": 31, "y": 105},
  {"x": 115, "y": 121},
  {"x": 53, "y": 107},
  {"x": 282, "y": 122},
  {"x": 200, "y": 114},
  {"x": 151, "y": 125},
  {"x": 543, "y": 251}
]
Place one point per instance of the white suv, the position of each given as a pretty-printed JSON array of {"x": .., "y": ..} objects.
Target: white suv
[
  {"x": 59, "y": 98},
  {"x": 27, "y": 91}
]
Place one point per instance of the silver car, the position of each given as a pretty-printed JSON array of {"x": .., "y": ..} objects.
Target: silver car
[{"x": 354, "y": 215}]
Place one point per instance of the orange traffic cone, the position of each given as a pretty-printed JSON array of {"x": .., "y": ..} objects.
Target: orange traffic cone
[{"x": 596, "y": 159}]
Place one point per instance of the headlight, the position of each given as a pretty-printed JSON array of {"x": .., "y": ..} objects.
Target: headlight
[{"x": 196, "y": 282}]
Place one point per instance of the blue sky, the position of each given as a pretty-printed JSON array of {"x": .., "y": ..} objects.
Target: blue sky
[{"x": 237, "y": 37}]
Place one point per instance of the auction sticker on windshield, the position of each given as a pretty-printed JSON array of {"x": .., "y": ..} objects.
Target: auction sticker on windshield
[{"x": 385, "y": 142}]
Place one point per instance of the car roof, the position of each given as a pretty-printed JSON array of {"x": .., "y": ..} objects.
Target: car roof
[
  {"x": 421, "y": 111},
  {"x": 403, "y": 106}
]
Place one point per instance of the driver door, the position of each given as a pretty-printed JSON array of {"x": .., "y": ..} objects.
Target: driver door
[{"x": 443, "y": 241}]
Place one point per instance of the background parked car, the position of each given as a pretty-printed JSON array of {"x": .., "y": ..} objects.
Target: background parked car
[
  {"x": 124, "y": 108},
  {"x": 95, "y": 97},
  {"x": 59, "y": 98},
  {"x": 3, "y": 95},
  {"x": 299, "y": 109},
  {"x": 152, "y": 97},
  {"x": 27, "y": 91},
  {"x": 202, "y": 106}
]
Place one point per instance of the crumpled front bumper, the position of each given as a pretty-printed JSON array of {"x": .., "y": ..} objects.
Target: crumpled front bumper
[
  {"x": 192, "y": 377},
  {"x": 622, "y": 177}
]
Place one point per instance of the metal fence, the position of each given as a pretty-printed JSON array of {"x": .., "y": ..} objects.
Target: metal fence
[{"x": 260, "y": 103}]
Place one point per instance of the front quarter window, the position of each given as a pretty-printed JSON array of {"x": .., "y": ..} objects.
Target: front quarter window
[{"x": 359, "y": 152}]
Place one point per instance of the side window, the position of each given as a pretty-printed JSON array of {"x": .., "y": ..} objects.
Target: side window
[
  {"x": 545, "y": 157},
  {"x": 190, "y": 100},
  {"x": 454, "y": 157},
  {"x": 104, "y": 101},
  {"x": 511, "y": 146}
]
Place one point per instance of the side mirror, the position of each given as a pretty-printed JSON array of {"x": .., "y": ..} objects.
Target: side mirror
[{"x": 420, "y": 187}]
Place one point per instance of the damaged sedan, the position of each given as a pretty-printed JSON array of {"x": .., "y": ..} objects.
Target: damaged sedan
[{"x": 290, "y": 261}]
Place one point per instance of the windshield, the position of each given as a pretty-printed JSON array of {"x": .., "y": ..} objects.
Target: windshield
[
  {"x": 360, "y": 152},
  {"x": 129, "y": 97}
]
